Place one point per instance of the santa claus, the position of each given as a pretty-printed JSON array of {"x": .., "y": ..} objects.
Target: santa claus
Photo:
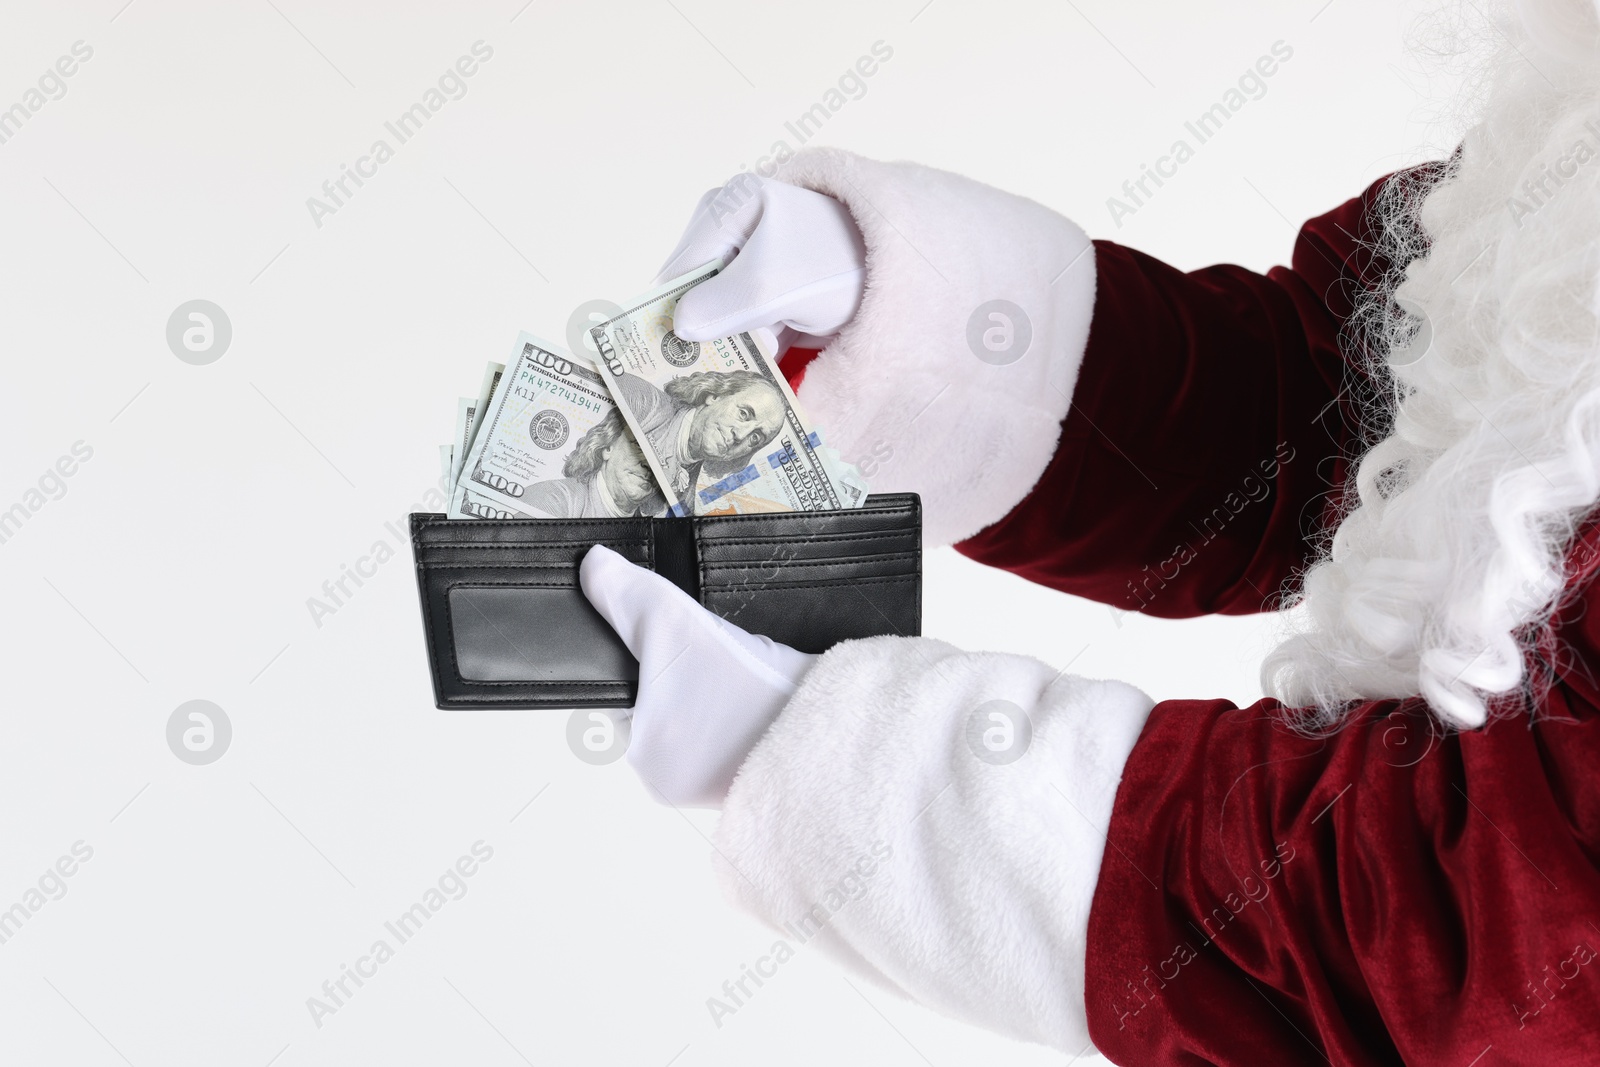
[{"x": 1395, "y": 860}]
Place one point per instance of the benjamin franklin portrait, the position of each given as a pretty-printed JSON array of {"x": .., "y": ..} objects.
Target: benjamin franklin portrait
[{"x": 711, "y": 422}]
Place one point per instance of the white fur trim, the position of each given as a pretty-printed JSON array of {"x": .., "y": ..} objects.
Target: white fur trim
[
  {"x": 968, "y": 883},
  {"x": 901, "y": 380}
]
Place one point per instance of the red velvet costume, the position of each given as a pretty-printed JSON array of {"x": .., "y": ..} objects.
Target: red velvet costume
[{"x": 1390, "y": 893}]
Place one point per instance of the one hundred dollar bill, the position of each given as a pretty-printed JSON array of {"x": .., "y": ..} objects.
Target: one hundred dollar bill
[
  {"x": 466, "y": 408},
  {"x": 466, "y": 433},
  {"x": 551, "y": 443},
  {"x": 717, "y": 421}
]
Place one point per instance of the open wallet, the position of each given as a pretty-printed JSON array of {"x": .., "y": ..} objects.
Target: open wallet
[{"x": 508, "y": 626}]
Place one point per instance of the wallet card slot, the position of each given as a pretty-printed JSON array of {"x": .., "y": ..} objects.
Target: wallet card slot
[
  {"x": 567, "y": 555},
  {"x": 821, "y": 583},
  {"x": 781, "y": 570},
  {"x": 436, "y": 529},
  {"x": 814, "y": 616},
  {"x": 865, "y": 518},
  {"x": 908, "y": 535},
  {"x": 838, "y": 548},
  {"x": 803, "y": 525},
  {"x": 788, "y": 561}
]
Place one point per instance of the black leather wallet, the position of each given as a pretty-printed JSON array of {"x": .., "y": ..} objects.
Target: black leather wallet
[{"x": 508, "y": 627}]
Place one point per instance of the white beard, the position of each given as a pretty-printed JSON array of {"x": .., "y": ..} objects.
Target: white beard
[{"x": 1455, "y": 549}]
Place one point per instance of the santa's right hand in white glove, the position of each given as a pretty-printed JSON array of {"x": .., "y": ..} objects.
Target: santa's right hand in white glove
[
  {"x": 795, "y": 260},
  {"x": 946, "y": 372}
]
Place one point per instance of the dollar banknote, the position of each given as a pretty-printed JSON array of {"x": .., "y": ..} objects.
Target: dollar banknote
[
  {"x": 465, "y": 505},
  {"x": 466, "y": 420},
  {"x": 551, "y": 443},
  {"x": 718, "y": 423},
  {"x": 470, "y": 505},
  {"x": 461, "y": 444}
]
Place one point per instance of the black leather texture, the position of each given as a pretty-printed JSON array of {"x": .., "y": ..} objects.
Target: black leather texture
[{"x": 508, "y": 627}]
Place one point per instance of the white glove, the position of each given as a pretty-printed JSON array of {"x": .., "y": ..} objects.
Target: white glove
[
  {"x": 708, "y": 690},
  {"x": 798, "y": 264}
]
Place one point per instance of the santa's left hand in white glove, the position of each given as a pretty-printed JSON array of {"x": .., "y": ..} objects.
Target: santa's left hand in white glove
[{"x": 708, "y": 690}]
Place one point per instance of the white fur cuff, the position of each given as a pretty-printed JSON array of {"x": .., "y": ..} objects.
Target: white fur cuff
[
  {"x": 954, "y": 376},
  {"x": 935, "y": 819}
]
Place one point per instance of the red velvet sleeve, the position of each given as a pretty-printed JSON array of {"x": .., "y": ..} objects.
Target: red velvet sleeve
[
  {"x": 1211, "y": 417},
  {"x": 1387, "y": 894}
]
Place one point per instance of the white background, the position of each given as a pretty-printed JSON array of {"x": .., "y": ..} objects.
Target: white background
[{"x": 219, "y": 498}]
